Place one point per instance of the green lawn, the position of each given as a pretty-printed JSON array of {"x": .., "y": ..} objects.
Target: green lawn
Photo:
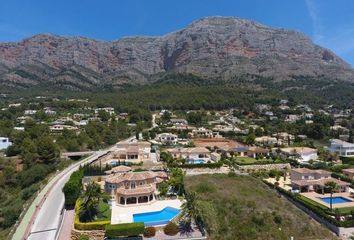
[
  {"x": 249, "y": 160},
  {"x": 245, "y": 160},
  {"x": 243, "y": 207},
  {"x": 346, "y": 210},
  {"x": 104, "y": 211}
]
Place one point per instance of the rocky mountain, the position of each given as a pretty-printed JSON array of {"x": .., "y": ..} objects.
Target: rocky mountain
[{"x": 212, "y": 47}]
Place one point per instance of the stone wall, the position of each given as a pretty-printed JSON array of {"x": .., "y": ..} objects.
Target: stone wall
[
  {"x": 93, "y": 235},
  {"x": 264, "y": 167}
]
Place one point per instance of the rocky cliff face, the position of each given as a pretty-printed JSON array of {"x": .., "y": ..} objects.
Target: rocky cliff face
[{"x": 213, "y": 47}]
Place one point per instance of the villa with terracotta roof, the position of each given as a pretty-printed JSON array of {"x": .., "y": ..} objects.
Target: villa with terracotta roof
[
  {"x": 129, "y": 152},
  {"x": 134, "y": 187},
  {"x": 190, "y": 153},
  {"x": 119, "y": 169},
  {"x": 307, "y": 180}
]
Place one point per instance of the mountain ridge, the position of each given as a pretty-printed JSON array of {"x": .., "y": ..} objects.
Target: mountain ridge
[{"x": 211, "y": 47}]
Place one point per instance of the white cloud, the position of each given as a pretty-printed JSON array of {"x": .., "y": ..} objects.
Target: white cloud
[
  {"x": 339, "y": 38},
  {"x": 314, "y": 13}
]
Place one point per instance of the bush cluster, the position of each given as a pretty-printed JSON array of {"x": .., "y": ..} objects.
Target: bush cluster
[
  {"x": 149, "y": 232},
  {"x": 171, "y": 229}
]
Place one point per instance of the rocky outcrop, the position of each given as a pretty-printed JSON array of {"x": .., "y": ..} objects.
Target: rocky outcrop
[{"x": 213, "y": 47}]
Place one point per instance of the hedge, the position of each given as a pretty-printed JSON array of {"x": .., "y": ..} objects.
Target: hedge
[
  {"x": 99, "y": 225},
  {"x": 124, "y": 230},
  {"x": 72, "y": 189},
  {"x": 342, "y": 177},
  {"x": 347, "y": 160},
  {"x": 201, "y": 165}
]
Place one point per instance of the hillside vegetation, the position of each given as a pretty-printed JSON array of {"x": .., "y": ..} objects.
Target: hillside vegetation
[
  {"x": 188, "y": 92},
  {"x": 242, "y": 207}
]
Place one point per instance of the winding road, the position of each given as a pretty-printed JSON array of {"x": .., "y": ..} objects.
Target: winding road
[{"x": 43, "y": 218}]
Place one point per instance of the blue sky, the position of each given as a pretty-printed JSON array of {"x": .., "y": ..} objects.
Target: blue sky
[{"x": 330, "y": 23}]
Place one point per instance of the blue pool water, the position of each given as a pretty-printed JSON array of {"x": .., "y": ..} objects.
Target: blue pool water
[
  {"x": 117, "y": 163},
  {"x": 335, "y": 200},
  {"x": 195, "y": 161},
  {"x": 157, "y": 218}
]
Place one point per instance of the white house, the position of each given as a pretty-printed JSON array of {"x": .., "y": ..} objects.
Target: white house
[
  {"x": 265, "y": 140},
  {"x": 168, "y": 138},
  {"x": 4, "y": 143},
  {"x": 342, "y": 148},
  {"x": 61, "y": 127},
  {"x": 301, "y": 154},
  {"x": 109, "y": 110},
  {"x": 205, "y": 133},
  {"x": 30, "y": 112},
  {"x": 178, "y": 121}
]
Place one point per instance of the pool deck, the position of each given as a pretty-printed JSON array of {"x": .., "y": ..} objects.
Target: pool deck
[
  {"x": 124, "y": 214},
  {"x": 316, "y": 197}
]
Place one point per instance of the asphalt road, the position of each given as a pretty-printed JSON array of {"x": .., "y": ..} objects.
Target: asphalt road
[{"x": 47, "y": 219}]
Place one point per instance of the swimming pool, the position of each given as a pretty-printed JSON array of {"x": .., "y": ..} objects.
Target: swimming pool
[
  {"x": 118, "y": 163},
  {"x": 335, "y": 200},
  {"x": 195, "y": 161},
  {"x": 157, "y": 218}
]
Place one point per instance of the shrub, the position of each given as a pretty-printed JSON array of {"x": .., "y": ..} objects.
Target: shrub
[
  {"x": 28, "y": 192},
  {"x": 124, "y": 230},
  {"x": 149, "y": 232},
  {"x": 171, "y": 229},
  {"x": 277, "y": 218}
]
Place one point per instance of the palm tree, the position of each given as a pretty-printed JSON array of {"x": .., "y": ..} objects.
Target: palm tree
[
  {"x": 191, "y": 212},
  {"x": 332, "y": 187},
  {"x": 189, "y": 207},
  {"x": 90, "y": 200}
]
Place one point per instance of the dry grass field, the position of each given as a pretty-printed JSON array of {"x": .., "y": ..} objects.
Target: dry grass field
[{"x": 242, "y": 207}]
